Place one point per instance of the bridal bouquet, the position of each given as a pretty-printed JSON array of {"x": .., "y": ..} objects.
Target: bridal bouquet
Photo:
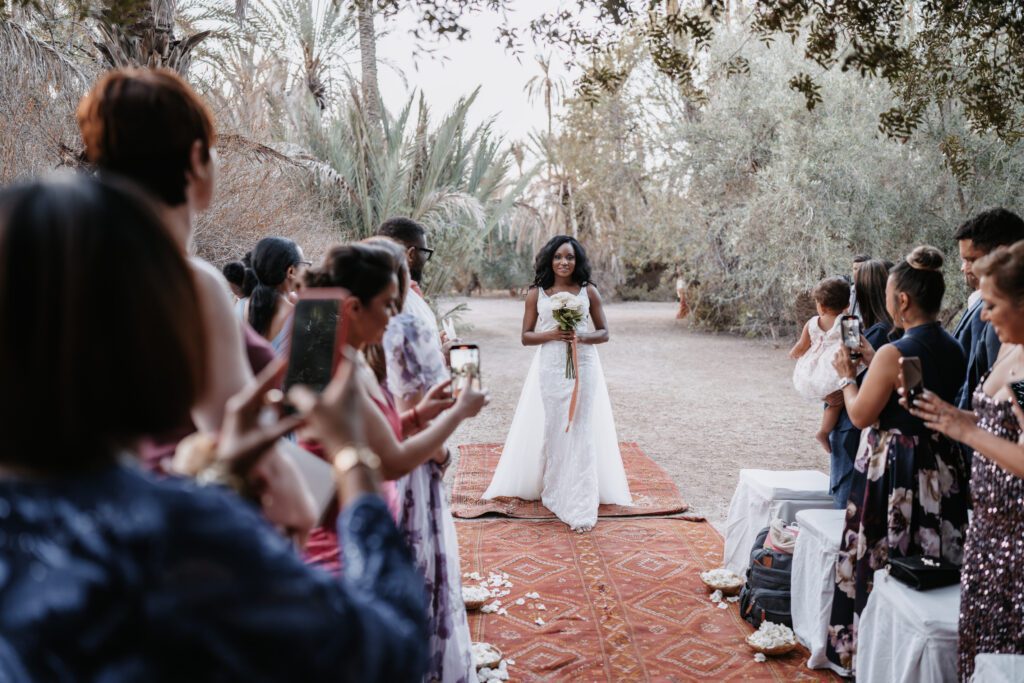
[{"x": 567, "y": 311}]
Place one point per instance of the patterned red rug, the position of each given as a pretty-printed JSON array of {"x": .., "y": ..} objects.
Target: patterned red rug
[
  {"x": 623, "y": 603},
  {"x": 652, "y": 490}
]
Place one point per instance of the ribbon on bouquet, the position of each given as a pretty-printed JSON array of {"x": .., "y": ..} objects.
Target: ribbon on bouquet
[{"x": 576, "y": 385}]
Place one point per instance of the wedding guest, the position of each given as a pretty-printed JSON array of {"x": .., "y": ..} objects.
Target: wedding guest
[
  {"x": 907, "y": 496},
  {"x": 975, "y": 238},
  {"x": 415, "y": 367},
  {"x": 858, "y": 260},
  {"x": 370, "y": 274},
  {"x": 116, "y": 574},
  {"x": 869, "y": 281},
  {"x": 413, "y": 237},
  {"x": 148, "y": 126},
  {"x": 992, "y": 578},
  {"x": 270, "y": 282},
  {"x": 234, "y": 273}
]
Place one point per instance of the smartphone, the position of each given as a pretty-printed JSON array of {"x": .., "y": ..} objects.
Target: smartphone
[
  {"x": 913, "y": 380},
  {"x": 318, "y": 338},
  {"x": 851, "y": 330},
  {"x": 465, "y": 365}
]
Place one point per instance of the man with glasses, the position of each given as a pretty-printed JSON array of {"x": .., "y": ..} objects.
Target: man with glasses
[{"x": 413, "y": 237}]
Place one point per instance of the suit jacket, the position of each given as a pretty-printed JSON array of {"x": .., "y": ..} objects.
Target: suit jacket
[{"x": 981, "y": 347}]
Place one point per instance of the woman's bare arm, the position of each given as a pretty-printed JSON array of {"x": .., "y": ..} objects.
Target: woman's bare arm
[
  {"x": 600, "y": 333},
  {"x": 531, "y": 338},
  {"x": 401, "y": 457},
  {"x": 866, "y": 403},
  {"x": 227, "y": 369}
]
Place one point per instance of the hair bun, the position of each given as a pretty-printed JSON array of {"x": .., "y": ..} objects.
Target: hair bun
[{"x": 926, "y": 257}]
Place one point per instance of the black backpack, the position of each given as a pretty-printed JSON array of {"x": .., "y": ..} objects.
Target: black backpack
[{"x": 765, "y": 595}]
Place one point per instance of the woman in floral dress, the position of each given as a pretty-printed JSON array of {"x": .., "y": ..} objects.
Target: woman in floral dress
[
  {"x": 909, "y": 490},
  {"x": 415, "y": 368}
]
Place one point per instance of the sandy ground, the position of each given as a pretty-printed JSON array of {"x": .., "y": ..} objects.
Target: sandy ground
[{"x": 703, "y": 406}]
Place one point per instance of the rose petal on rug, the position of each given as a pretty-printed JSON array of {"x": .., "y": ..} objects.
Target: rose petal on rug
[
  {"x": 621, "y": 603},
  {"x": 652, "y": 490}
]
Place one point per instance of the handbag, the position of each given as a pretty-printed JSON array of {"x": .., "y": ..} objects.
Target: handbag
[{"x": 922, "y": 572}]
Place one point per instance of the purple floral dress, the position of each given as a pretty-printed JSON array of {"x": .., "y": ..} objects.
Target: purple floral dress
[{"x": 415, "y": 364}]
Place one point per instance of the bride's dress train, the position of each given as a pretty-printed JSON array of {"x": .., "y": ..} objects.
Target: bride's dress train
[{"x": 570, "y": 472}]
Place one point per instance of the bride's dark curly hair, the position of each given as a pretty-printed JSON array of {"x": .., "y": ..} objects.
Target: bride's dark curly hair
[{"x": 544, "y": 273}]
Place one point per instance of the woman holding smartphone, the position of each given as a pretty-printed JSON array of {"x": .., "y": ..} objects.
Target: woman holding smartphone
[
  {"x": 369, "y": 273},
  {"x": 869, "y": 282},
  {"x": 889, "y": 512},
  {"x": 111, "y": 573},
  {"x": 992, "y": 578}
]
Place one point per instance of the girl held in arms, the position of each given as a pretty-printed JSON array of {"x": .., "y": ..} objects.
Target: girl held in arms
[{"x": 814, "y": 377}]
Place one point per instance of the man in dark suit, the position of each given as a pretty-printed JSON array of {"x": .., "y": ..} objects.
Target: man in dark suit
[{"x": 976, "y": 238}]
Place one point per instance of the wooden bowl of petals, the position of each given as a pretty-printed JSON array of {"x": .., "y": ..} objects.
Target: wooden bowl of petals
[
  {"x": 772, "y": 640},
  {"x": 773, "y": 651},
  {"x": 486, "y": 655},
  {"x": 730, "y": 583},
  {"x": 475, "y": 597}
]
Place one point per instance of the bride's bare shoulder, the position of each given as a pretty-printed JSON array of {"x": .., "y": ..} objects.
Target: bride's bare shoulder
[{"x": 532, "y": 295}]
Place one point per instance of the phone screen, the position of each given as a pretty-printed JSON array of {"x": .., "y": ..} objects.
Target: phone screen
[
  {"x": 913, "y": 380},
  {"x": 314, "y": 343},
  {"x": 465, "y": 364},
  {"x": 851, "y": 331}
]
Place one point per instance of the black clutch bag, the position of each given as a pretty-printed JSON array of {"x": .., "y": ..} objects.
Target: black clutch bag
[{"x": 923, "y": 573}]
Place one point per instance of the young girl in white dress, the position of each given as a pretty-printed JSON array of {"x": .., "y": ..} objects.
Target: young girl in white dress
[
  {"x": 570, "y": 470},
  {"x": 814, "y": 377}
]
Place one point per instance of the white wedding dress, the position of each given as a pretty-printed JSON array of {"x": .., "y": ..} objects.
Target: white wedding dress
[{"x": 570, "y": 472}]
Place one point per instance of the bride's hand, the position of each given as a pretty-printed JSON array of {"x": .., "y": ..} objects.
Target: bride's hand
[{"x": 559, "y": 334}]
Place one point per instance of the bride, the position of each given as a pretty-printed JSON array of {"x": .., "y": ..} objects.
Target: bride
[{"x": 570, "y": 471}]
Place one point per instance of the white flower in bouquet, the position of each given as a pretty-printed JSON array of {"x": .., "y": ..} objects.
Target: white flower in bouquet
[{"x": 567, "y": 310}]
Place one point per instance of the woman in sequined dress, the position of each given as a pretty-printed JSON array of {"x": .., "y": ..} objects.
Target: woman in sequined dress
[{"x": 992, "y": 579}]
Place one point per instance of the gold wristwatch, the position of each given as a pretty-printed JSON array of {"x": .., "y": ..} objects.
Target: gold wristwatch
[{"x": 350, "y": 456}]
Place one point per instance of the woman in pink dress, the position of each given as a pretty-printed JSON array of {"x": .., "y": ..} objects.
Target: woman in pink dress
[{"x": 371, "y": 274}]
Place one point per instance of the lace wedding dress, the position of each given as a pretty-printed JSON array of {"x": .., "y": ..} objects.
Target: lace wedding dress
[{"x": 570, "y": 472}]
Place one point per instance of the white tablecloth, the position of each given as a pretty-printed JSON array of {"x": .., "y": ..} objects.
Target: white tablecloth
[
  {"x": 908, "y": 635},
  {"x": 992, "y": 668},
  {"x": 764, "y": 495},
  {"x": 814, "y": 580}
]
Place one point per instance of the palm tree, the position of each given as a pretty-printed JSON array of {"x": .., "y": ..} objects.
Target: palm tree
[
  {"x": 368, "y": 61},
  {"x": 453, "y": 178},
  {"x": 317, "y": 36},
  {"x": 547, "y": 87},
  {"x": 142, "y": 34}
]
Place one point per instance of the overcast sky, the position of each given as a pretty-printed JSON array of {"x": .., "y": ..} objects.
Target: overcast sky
[{"x": 479, "y": 60}]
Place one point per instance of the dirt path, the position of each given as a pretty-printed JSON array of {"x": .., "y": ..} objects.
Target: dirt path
[{"x": 703, "y": 406}]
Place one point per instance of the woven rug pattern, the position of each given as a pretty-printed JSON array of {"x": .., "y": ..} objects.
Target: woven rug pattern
[
  {"x": 622, "y": 603},
  {"x": 652, "y": 490}
]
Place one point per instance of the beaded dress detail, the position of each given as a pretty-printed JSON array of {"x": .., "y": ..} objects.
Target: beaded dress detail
[{"x": 992, "y": 578}]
